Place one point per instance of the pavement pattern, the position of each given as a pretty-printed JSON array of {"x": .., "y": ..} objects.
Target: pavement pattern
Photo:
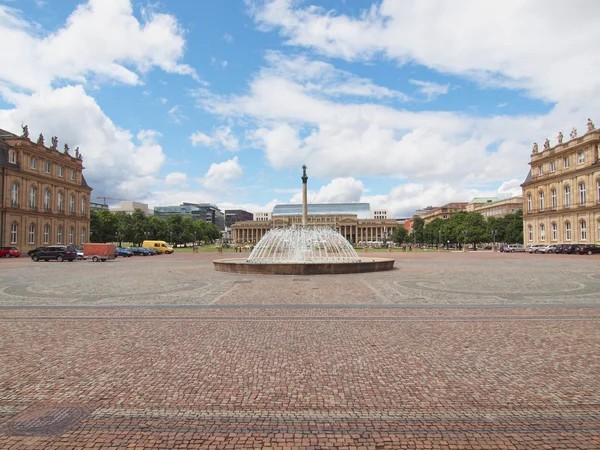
[{"x": 450, "y": 350}]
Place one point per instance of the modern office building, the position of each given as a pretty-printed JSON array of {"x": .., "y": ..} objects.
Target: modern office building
[
  {"x": 44, "y": 198},
  {"x": 263, "y": 216},
  {"x": 379, "y": 214},
  {"x": 236, "y": 215},
  {"x": 203, "y": 211},
  {"x": 352, "y": 220},
  {"x": 129, "y": 207},
  {"x": 561, "y": 194}
]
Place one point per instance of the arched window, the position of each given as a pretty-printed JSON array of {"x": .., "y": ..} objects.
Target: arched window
[
  {"x": 71, "y": 235},
  {"x": 530, "y": 232},
  {"x": 59, "y": 234},
  {"x": 583, "y": 230},
  {"x": 567, "y": 196},
  {"x": 14, "y": 195},
  {"x": 582, "y": 193},
  {"x": 529, "y": 203},
  {"x": 541, "y": 201},
  {"x": 567, "y": 231},
  {"x": 554, "y": 231},
  {"x": 554, "y": 202},
  {"x": 72, "y": 204},
  {"x": 14, "y": 232},
  {"x": 47, "y": 200},
  {"x": 82, "y": 236},
  {"x": 32, "y": 197},
  {"x": 61, "y": 201},
  {"x": 83, "y": 206},
  {"x": 47, "y": 234},
  {"x": 542, "y": 232},
  {"x": 32, "y": 233}
]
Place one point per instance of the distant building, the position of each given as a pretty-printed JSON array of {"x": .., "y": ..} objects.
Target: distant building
[
  {"x": 263, "y": 216},
  {"x": 45, "y": 198},
  {"x": 129, "y": 207},
  {"x": 98, "y": 206},
  {"x": 500, "y": 207},
  {"x": 236, "y": 215},
  {"x": 361, "y": 210},
  {"x": 442, "y": 212},
  {"x": 379, "y": 214},
  {"x": 480, "y": 201},
  {"x": 203, "y": 211},
  {"x": 561, "y": 194}
]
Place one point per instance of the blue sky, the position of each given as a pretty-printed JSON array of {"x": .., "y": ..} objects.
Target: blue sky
[{"x": 401, "y": 103}]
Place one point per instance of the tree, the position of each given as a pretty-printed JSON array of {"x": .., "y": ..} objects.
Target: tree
[
  {"x": 400, "y": 235},
  {"x": 476, "y": 227},
  {"x": 433, "y": 231},
  {"x": 514, "y": 227},
  {"x": 418, "y": 226}
]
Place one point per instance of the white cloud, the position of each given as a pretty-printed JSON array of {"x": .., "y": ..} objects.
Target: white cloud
[
  {"x": 117, "y": 164},
  {"x": 430, "y": 89},
  {"x": 221, "y": 138},
  {"x": 465, "y": 37},
  {"x": 220, "y": 176},
  {"x": 339, "y": 190},
  {"x": 83, "y": 48},
  {"x": 510, "y": 188},
  {"x": 176, "y": 179},
  {"x": 228, "y": 38},
  {"x": 175, "y": 115}
]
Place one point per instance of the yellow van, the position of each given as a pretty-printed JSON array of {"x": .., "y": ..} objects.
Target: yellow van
[{"x": 161, "y": 246}]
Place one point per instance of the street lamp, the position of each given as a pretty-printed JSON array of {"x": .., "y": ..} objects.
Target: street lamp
[
  {"x": 439, "y": 237},
  {"x": 494, "y": 235}
]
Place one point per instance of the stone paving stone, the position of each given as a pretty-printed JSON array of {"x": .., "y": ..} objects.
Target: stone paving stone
[{"x": 449, "y": 351}]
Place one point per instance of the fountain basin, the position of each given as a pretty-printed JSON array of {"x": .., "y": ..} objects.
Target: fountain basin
[{"x": 241, "y": 265}]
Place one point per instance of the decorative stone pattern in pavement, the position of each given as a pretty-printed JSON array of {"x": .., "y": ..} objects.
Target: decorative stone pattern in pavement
[{"x": 427, "y": 356}]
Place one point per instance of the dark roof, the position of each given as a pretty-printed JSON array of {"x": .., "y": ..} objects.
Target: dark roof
[
  {"x": 4, "y": 155},
  {"x": 7, "y": 133},
  {"x": 529, "y": 178},
  {"x": 83, "y": 182}
]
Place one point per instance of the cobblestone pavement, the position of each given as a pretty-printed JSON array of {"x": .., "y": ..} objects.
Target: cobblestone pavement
[{"x": 450, "y": 350}]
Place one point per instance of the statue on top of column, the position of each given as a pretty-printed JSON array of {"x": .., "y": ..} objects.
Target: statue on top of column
[
  {"x": 535, "y": 148},
  {"x": 54, "y": 145},
  {"x": 40, "y": 139},
  {"x": 560, "y": 137},
  {"x": 77, "y": 154},
  {"x": 25, "y": 133},
  {"x": 590, "y": 125},
  {"x": 304, "y": 170},
  {"x": 66, "y": 151}
]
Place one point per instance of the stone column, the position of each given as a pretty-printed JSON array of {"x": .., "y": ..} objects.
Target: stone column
[{"x": 304, "y": 197}]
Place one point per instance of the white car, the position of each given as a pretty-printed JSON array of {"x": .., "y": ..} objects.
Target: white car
[
  {"x": 547, "y": 249},
  {"x": 535, "y": 248}
]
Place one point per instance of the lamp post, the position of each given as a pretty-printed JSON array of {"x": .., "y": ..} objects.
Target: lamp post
[
  {"x": 494, "y": 236},
  {"x": 439, "y": 237},
  {"x": 464, "y": 240}
]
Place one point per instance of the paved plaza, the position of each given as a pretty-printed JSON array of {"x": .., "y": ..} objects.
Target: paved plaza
[{"x": 449, "y": 350}]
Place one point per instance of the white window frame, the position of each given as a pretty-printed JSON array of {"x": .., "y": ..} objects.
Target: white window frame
[
  {"x": 14, "y": 233},
  {"x": 48, "y": 167},
  {"x": 567, "y": 196},
  {"x": 33, "y": 163},
  {"x": 59, "y": 234},
  {"x": 12, "y": 157},
  {"x": 14, "y": 195},
  {"x": 582, "y": 197},
  {"x": 554, "y": 198},
  {"x": 72, "y": 175},
  {"x": 542, "y": 232},
  {"x": 567, "y": 231},
  {"x": 71, "y": 235},
  {"x": 60, "y": 171},
  {"x": 32, "y": 197},
  {"x": 542, "y": 200},
  {"x": 530, "y": 233},
  {"x": 583, "y": 230},
  {"x": 82, "y": 236},
  {"x": 60, "y": 202},
  {"x": 31, "y": 233},
  {"x": 529, "y": 203},
  {"x": 554, "y": 231},
  {"x": 46, "y": 234},
  {"x": 83, "y": 206},
  {"x": 72, "y": 204},
  {"x": 47, "y": 196},
  {"x": 540, "y": 170},
  {"x": 580, "y": 157},
  {"x": 566, "y": 162},
  {"x": 553, "y": 166},
  {"x": 598, "y": 191}
]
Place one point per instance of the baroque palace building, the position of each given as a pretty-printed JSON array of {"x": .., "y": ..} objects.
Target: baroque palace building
[
  {"x": 44, "y": 198},
  {"x": 352, "y": 220},
  {"x": 561, "y": 195}
]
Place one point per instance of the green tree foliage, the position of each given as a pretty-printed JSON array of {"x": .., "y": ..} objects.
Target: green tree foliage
[
  {"x": 418, "y": 227},
  {"x": 400, "y": 235},
  {"x": 433, "y": 232}
]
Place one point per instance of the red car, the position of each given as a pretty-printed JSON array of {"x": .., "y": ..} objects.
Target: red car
[{"x": 9, "y": 252}]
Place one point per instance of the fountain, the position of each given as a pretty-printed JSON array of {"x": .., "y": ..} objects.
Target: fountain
[{"x": 303, "y": 251}]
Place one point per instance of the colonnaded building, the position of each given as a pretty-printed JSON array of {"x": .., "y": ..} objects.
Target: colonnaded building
[
  {"x": 44, "y": 198},
  {"x": 352, "y": 220},
  {"x": 561, "y": 194}
]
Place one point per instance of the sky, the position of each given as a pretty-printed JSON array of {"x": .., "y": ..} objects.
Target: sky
[{"x": 399, "y": 103}]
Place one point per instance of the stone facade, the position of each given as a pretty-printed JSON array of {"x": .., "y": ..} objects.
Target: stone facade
[
  {"x": 561, "y": 195},
  {"x": 442, "y": 212},
  {"x": 500, "y": 208},
  {"x": 353, "y": 229},
  {"x": 44, "y": 198}
]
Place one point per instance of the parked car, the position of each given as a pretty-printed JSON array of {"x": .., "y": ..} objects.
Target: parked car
[
  {"x": 559, "y": 248},
  {"x": 587, "y": 249},
  {"x": 57, "y": 252},
  {"x": 80, "y": 254},
  {"x": 514, "y": 248},
  {"x": 31, "y": 252},
  {"x": 534, "y": 248},
  {"x": 569, "y": 249},
  {"x": 548, "y": 249},
  {"x": 124, "y": 252},
  {"x": 9, "y": 252},
  {"x": 140, "y": 251}
]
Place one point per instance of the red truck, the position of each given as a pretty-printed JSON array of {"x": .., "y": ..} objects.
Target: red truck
[{"x": 99, "y": 252}]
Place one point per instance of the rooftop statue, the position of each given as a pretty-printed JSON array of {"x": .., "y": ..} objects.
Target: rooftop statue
[
  {"x": 66, "y": 152},
  {"x": 40, "y": 139},
  {"x": 560, "y": 137},
  {"x": 535, "y": 147},
  {"x": 25, "y": 129},
  {"x": 77, "y": 154},
  {"x": 546, "y": 144},
  {"x": 590, "y": 125},
  {"x": 54, "y": 145},
  {"x": 573, "y": 133}
]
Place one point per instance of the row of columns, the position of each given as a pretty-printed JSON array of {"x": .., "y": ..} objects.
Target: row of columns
[
  {"x": 352, "y": 233},
  {"x": 242, "y": 235}
]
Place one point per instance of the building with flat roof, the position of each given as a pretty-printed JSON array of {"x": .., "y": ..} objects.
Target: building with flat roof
[
  {"x": 361, "y": 210},
  {"x": 480, "y": 201},
  {"x": 263, "y": 216},
  {"x": 236, "y": 215},
  {"x": 129, "y": 207},
  {"x": 500, "y": 207},
  {"x": 44, "y": 197},
  {"x": 442, "y": 212},
  {"x": 204, "y": 211}
]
